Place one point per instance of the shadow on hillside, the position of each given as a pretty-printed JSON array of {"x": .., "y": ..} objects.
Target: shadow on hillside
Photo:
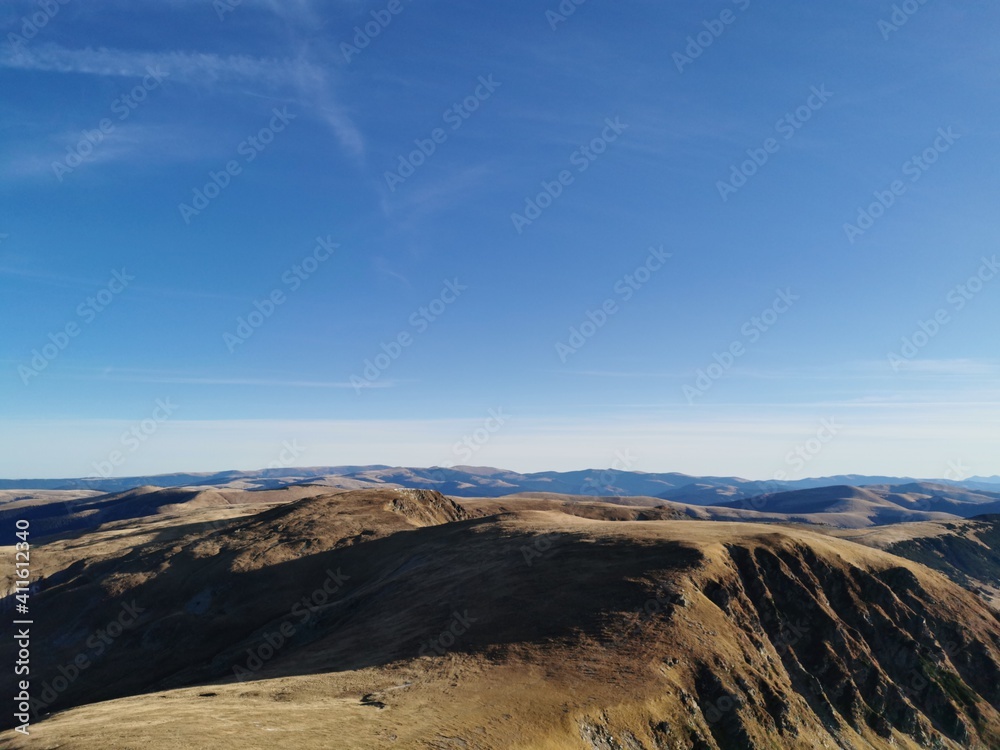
[{"x": 398, "y": 597}]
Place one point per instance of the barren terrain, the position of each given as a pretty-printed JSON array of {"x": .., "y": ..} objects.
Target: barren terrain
[{"x": 400, "y": 618}]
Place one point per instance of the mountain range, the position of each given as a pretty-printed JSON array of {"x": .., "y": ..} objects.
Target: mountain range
[
  {"x": 480, "y": 481},
  {"x": 316, "y": 608}
]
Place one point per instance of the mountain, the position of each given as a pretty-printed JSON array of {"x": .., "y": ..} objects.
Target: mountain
[
  {"x": 51, "y": 513},
  {"x": 968, "y": 552},
  {"x": 260, "y": 479},
  {"x": 478, "y": 481},
  {"x": 879, "y": 504},
  {"x": 639, "y": 508},
  {"x": 402, "y": 618},
  {"x": 846, "y": 507}
]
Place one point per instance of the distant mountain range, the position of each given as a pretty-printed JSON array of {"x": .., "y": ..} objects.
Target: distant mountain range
[{"x": 478, "y": 481}]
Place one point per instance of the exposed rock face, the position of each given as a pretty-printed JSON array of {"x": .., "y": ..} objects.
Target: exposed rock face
[
  {"x": 869, "y": 648},
  {"x": 822, "y": 650},
  {"x": 968, "y": 552},
  {"x": 426, "y": 507}
]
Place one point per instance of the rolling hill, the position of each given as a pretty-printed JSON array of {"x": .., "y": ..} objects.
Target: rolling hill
[
  {"x": 479, "y": 481},
  {"x": 400, "y": 618},
  {"x": 878, "y": 504}
]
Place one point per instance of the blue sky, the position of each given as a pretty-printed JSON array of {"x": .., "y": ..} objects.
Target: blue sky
[{"x": 687, "y": 235}]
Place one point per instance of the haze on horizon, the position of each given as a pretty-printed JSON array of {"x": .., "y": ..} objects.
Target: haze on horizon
[{"x": 701, "y": 237}]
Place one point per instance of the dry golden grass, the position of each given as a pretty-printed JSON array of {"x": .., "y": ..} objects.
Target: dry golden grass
[{"x": 587, "y": 634}]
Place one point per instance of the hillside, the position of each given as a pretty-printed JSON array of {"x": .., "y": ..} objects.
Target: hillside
[
  {"x": 876, "y": 504},
  {"x": 968, "y": 552},
  {"x": 400, "y": 619}
]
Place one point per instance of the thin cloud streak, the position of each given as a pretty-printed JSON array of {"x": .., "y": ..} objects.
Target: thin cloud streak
[
  {"x": 184, "y": 67},
  {"x": 860, "y": 370},
  {"x": 185, "y": 380},
  {"x": 198, "y": 69}
]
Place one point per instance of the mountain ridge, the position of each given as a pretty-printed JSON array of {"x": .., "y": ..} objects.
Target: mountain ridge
[
  {"x": 485, "y": 481},
  {"x": 525, "y": 628}
]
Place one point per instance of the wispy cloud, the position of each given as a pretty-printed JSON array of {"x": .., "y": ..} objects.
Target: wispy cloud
[
  {"x": 303, "y": 11},
  {"x": 959, "y": 367},
  {"x": 156, "y": 143},
  {"x": 141, "y": 376},
  {"x": 185, "y": 67},
  {"x": 446, "y": 192},
  {"x": 845, "y": 371},
  {"x": 310, "y": 82},
  {"x": 255, "y": 382},
  {"x": 384, "y": 267}
]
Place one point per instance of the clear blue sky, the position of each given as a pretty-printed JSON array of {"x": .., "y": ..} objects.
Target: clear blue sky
[{"x": 115, "y": 114}]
